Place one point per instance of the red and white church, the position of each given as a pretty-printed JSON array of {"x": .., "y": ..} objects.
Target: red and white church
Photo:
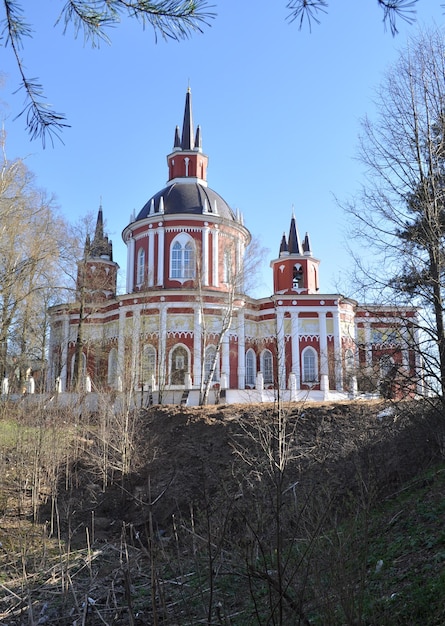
[{"x": 184, "y": 317}]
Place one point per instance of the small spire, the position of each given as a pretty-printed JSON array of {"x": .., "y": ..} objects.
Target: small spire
[
  {"x": 284, "y": 249},
  {"x": 198, "y": 139},
  {"x": 177, "y": 141},
  {"x": 307, "y": 245}
]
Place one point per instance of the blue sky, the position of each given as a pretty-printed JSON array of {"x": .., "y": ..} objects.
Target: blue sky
[{"x": 279, "y": 110}]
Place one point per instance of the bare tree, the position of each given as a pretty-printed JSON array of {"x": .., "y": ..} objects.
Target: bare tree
[
  {"x": 239, "y": 280},
  {"x": 30, "y": 238},
  {"x": 400, "y": 212}
]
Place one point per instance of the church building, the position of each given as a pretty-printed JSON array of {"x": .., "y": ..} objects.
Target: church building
[{"x": 185, "y": 330}]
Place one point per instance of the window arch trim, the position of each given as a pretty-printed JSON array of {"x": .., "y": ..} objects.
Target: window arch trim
[
  {"x": 140, "y": 267},
  {"x": 182, "y": 258},
  {"x": 309, "y": 360},
  {"x": 266, "y": 361},
  {"x": 250, "y": 364}
]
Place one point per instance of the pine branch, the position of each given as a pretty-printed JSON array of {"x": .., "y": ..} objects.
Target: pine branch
[
  {"x": 398, "y": 9},
  {"x": 171, "y": 19},
  {"x": 41, "y": 120},
  {"x": 308, "y": 10}
]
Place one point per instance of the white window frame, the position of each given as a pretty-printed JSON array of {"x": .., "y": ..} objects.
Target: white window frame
[
  {"x": 140, "y": 268},
  {"x": 250, "y": 363},
  {"x": 349, "y": 360},
  {"x": 309, "y": 360},
  {"x": 267, "y": 367},
  {"x": 112, "y": 373},
  {"x": 186, "y": 361},
  {"x": 386, "y": 364},
  {"x": 182, "y": 258},
  {"x": 227, "y": 266},
  {"x": 148, "y": 364},
  {"x": 84, "y": 365},
  {"x": 208, "y": 362}
]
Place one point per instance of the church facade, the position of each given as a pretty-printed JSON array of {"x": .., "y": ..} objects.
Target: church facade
[{"x": 185, "y": 331}]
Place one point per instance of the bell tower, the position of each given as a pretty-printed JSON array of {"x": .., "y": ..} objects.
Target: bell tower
[
  {"x": 187, "y": 163},
  {"x": 97, "y": 272},
  {"x": 295, "y": 270}
]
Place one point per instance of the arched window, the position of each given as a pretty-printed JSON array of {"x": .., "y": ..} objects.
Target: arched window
[
  {"x": 267, "y": 366},
  {"x": 250, "y": 367},
  {"x": 386, "y": 365},
  {"x": 112, "y": 368},
  {"x": 148, "y": 365},
  {"x": 179, "y": 365},
  {"x": 182, "y": 257},
  {"x": 208, "y": 364},
  {"x": 297, "y": 276},
  {"x": 310, "y": 365},
  {"x": 349, "y": 360},
  {"x": 140, "y": 270},
  {"x": 83, "y": 365},
  {"x": 227, "y": 267}
]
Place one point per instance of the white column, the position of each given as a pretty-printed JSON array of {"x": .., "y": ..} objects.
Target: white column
[
  {"x": 324, "y": 365},
  {"x": 197, "y": 347},
  {"x": 215, "y": 271},
  {"x": 160, "y": 232},
  {"x": 225, "y": 359},
  {"x": 162, "y": 346},
  {"x": 51, "y": 374},
  {"x": 121, "y": 348},
  {"x": 404, "y": 335},
  {"x": 368, "y": 346},
  {"x": 293, "y": 387},
  {"x": 239, "y": 265},
  {"x": 205, "y": 256},
  {"x": 135, "y": 345},
  {"x": 281, "y": 349},
  {"x": 241, "y": 352},
  {"x": 130, "y": 264},
  {"x": 259, "y": 382},
  {"x": 295, "y": 347},
  {"x": 151, "y": 258},
  {"x": 64, "y": 363},
  {"x": 338, "y": 361}
]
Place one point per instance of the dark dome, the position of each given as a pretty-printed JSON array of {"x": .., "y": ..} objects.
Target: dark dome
[{"x": 188, "y": 198}]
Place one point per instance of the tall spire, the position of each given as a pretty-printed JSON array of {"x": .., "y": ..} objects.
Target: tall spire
[
  {"x": 187, "y": 142},
  {"x": 294, "y": 239},
  {"x": 100, "y": 246},
  {"x": 187, "y": 160}
]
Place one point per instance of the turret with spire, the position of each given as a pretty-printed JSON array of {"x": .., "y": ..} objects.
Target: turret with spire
[
  {"x": 187, "y": 163},
  {"x": 97, "y": 273},
  {"x": 295, "y": 270}
]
